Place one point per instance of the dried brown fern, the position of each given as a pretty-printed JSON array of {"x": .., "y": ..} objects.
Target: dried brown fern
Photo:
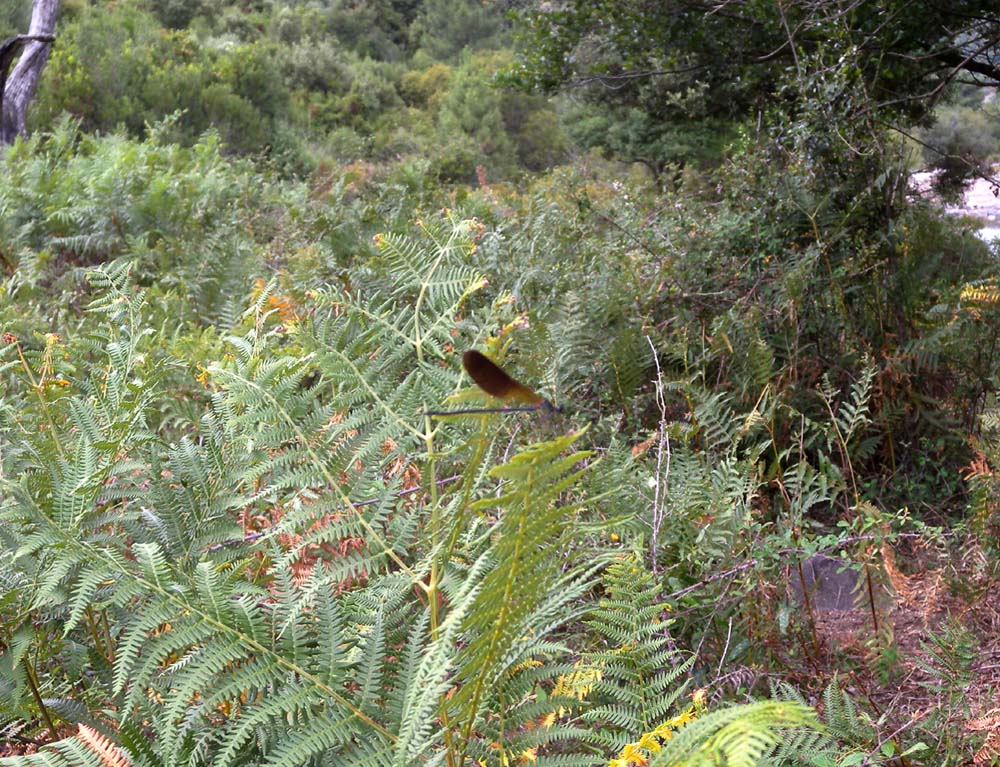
[
  {"x": 111, "y": 755},
  {"x": 989, "y": 752}
]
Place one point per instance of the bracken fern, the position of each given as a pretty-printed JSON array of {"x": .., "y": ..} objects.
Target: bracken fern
[{"x": 316, "y": 572}]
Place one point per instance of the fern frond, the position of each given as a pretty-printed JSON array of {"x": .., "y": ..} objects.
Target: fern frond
[
  {"x": 850, "y": 417},
  {"x": 740, "y": 736},
  {"x": 523, "y": 570},
  {"x": 637, "y": 679}
]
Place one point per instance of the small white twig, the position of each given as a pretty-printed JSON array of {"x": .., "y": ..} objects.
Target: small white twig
[
  {"x": 725, "y": 650},
  {"x": 662, "y": 479}
]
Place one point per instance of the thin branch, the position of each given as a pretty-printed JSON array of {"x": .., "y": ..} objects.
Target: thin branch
[
  {"x": 662, "y": 450},
  {"x": 624, "y": 77},
  {"x": 793, "y": 550}
]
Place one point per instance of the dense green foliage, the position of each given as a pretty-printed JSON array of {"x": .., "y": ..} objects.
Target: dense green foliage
[
  {"x": 963, "y": 141},
  {"x": 304, "y": 84},
  {"x": 241, "y": 255},
  {"x": 664, "y": 74},
  {"x": 126, "y": 512}
]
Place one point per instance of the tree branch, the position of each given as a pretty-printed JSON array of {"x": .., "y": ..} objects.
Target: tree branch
[{"x": 17, "y": 90}]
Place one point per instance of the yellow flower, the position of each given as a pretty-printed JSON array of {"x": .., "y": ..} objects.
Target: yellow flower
[
  {"x": 699, "y": 696},
  {"x": 633, "y": 755},
  {"x": 681, "y": 719},
  {"x": 651, "y": 742}
]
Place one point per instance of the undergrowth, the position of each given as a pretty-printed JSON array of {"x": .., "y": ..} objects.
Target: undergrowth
[{"x": 231, "y": 534}]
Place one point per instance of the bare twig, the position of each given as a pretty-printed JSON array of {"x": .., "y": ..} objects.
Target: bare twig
[
  {"x": 712, "y": 578},
  {"x": 662, "y": 479},
  {"x": 793, "y": 550}
]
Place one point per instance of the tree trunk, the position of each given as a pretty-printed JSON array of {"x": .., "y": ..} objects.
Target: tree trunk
[{"x": 17, "y": 91}]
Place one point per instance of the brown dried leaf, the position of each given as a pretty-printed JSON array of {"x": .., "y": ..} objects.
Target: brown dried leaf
[
  {"x": 642, "y": 447},
  {"x": 989, "y": 752},
  {"x": 111, "y": 755}
]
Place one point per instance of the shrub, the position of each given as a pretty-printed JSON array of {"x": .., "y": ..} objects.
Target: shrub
[
  {"x": 961, "y": 143},
  {"x": 117, "y": 68}
]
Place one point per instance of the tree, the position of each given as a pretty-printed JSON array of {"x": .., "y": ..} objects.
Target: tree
[
  {"x": 17, "y": 90},
  {"x": 444, "y": 28},
  {"x": 717, "y": 61}
]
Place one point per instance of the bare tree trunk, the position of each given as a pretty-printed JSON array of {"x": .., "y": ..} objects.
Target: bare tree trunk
[{"x": 17, "y": 91}]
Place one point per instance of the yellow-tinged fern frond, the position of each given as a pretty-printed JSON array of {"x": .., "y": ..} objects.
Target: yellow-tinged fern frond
[
  {"x": 984, "y": 292},
  {"x": 639, "y": 752},
  {"x": 739, "y": 736},
  {"x": 523, "y": 572}
]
